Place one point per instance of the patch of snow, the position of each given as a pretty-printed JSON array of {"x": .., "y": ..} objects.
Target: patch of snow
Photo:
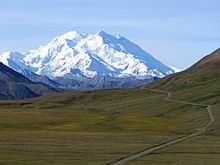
[{"x": 176, "y": 70}]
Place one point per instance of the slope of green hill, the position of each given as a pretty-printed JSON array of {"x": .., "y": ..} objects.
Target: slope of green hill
[
  {"x": 201, "y": 84},
  {"x": 198, "y": 83}
]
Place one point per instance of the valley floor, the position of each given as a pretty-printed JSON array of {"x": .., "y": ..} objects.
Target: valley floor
[
  {"x": 203, "y": 150},
  {"x": 97, "y": 128},
  {"x": 67, "y": 148}
]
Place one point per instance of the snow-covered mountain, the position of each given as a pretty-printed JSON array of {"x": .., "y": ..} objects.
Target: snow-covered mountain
[{"x": 81, "y": 61}]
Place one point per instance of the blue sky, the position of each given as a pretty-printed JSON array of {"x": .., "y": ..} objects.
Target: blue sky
[{"x": 176, "y": 32}]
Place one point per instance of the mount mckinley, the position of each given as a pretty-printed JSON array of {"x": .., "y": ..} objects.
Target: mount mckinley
[{"x": 88, "y": 61}]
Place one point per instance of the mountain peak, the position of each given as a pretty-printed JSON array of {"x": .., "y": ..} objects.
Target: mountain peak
[
  {"x": 102, "y": 33},
  {"x": 71, "y": 35},
  {"x": 106, "y": 35}
]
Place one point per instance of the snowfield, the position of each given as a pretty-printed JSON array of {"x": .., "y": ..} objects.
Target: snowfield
[{"x": 81, "y": 57}]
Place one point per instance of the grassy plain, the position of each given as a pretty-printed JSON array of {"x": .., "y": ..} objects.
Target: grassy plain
[{"x": 95, "y": 128}]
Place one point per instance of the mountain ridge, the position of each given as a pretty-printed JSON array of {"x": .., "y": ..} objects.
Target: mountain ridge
[
  {"x": 14, "y": 85},
  {"x": 81, "y": 57}
]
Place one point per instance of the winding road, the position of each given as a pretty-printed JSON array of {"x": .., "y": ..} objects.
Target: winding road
[{"x": 152, "y": 149}]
